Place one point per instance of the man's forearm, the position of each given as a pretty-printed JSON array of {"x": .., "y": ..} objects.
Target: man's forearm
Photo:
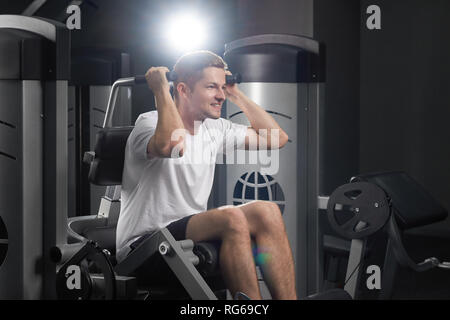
[
  {"x": 169, "y": 120},
  {"x": 258, "y": 117}
]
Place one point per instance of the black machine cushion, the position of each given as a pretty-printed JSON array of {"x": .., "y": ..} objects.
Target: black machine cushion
[
  {"x": 107, "y": 166},
  {"x": 104, "y": 236},
  {"x": 413, "y": 205}
]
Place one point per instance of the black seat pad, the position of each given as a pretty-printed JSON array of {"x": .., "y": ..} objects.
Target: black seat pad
[
  {"x": 107, "y": 166},
  {"x": 414, "y": 206}
]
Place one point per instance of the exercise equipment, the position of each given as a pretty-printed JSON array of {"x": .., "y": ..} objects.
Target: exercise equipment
[
  {"x": 182, "y": 256},
  {"x": 285, "y": 75},
  {"x": 93, "y": 71},
  {"x": 104, "y": 284},
  {"x": 383, "y": 201},
  {"x": 371, "y": 198},
  {"x": 34, "y": 71},
  {"x": 172, "y": 76},
  {"x": 106, "y": 166},
  {"x": 91, "y": 252},
  {"x": 367, "y": 204}
]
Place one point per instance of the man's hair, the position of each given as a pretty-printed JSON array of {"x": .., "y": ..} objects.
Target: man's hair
[{"x": 189, "y": 67}]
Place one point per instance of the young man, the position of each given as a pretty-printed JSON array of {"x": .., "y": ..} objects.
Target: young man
[{"x": 163, "y": 187}]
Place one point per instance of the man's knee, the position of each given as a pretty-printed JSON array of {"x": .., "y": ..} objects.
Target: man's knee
[
  {"x": 234, "y": 221},
  {"x": 269, "y": 216}
]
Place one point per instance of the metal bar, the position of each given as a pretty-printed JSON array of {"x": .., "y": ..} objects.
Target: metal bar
[
  {"x": 113, "y": 192},
  {"x": 32, "y": 165},
  {"x": 113, "y": 97},
  {"x": 185, "y": 271},
  {"x": 33, "y": 7},
  {"x": 55, "y": 175},
  {"x": 322, "y": 202},
  {"x": 315, "y": 94},
  {"x": 41, "y": 27},
  {"x": 177, "y": 260},
  {"x": 354, "y": 264},
  {"x": 390, "y": 269}
]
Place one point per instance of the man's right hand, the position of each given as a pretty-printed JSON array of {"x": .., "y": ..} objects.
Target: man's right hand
[{"x": 156, "y": 79}]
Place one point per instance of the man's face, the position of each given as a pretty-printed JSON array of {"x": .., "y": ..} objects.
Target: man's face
[{"x": 208, "y": 94}]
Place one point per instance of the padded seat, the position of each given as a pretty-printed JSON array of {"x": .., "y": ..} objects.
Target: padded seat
[
  {"x": 104, "y": 236},
  {"x": 413, "y": 205},
  {"x": 106, "y": 165}
]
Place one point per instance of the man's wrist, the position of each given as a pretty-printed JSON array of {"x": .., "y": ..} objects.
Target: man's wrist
[
  {"x": 162, "y": 90},
  {"x": 238, "y": 98}
]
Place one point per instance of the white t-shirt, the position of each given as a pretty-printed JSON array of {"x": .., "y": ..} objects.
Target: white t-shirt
[{"x": 159, "y": 191}]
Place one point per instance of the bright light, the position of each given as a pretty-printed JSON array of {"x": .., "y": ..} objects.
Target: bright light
[{"x": 186, "y": 32}]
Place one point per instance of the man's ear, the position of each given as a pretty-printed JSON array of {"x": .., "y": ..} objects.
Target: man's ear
[{"x": 183, "y": 89}]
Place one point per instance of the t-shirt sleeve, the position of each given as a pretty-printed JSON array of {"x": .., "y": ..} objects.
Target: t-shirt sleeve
[
  {"x": 232, "y": 135},
  {"x": 144, "y": 129}
]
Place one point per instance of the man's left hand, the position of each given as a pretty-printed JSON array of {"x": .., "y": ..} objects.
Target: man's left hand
[{"x": 232, "y": 91}]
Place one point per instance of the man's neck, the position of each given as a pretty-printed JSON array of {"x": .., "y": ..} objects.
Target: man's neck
[{"x": 189, "y": 118}]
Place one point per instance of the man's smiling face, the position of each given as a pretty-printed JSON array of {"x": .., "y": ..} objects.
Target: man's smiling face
[{"x": 208, "y": 94}]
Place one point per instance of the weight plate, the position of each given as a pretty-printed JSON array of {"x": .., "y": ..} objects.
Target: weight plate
[
  {"x": 357, "y": 210},
  {"x": 74, "y": 282}
]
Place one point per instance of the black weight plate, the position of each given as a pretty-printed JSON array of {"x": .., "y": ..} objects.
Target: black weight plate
[
  {"x": 73, "y": 283},
  {"x": 365, "y": 202},
  {"x": 70, "y": 271}
]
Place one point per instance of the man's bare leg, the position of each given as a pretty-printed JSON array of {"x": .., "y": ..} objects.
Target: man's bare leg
[
  {"x": 229, "y": 225},
  {"x": 267, "y": 227}
]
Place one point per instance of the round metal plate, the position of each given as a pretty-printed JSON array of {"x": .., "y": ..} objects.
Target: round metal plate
[
  {"x": 357, "y": 210},
  {"x": 73, "y": 280}
]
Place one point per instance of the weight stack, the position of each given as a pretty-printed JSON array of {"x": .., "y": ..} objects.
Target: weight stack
[
  {"x": 284, "y": 74},
  {"x": 34, "y": 69}
]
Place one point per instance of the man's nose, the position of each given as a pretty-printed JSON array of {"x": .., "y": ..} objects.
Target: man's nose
[{"x": 220, "y": 95}]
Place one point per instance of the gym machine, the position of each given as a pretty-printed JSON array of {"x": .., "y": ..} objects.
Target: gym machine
[
  {"x": 93, "y": 71},
  {"x": 374, "y": 202},
  {"x": 93, "y": 237},
  {"x": 34, "y": 71},
  {"x": 285, "y": 75},
  {"x": 388, "y": 202},
  {"x": 33, "y": 206}
]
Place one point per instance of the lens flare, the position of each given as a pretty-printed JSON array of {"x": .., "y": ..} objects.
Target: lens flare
[
  {"x": 261, "y": 256},
  {"x": 186, "y": 32}
]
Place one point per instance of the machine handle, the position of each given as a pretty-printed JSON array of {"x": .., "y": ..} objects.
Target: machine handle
[
  {"x": 234, "y": 78},
  {"x": 172, "y": 76},
  {"x": 140, "y": 79}
]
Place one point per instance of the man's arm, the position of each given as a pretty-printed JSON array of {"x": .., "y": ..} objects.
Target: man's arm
[
  {"x": 264, "y": 130},
  {"x": 161, "y": 143}
]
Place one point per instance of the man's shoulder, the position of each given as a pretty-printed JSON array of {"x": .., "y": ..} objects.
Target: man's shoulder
[
  {"x": 219, "y": 123},
  {"x": 147, "y": 116}
]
